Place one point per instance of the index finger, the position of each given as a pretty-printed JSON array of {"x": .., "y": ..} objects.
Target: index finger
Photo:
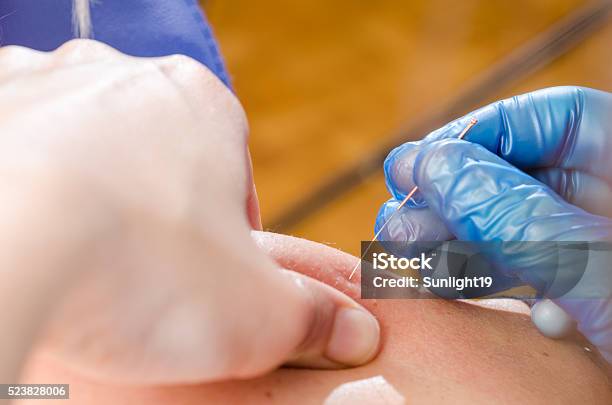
[
  {"x": 556, "y": 127},
  {"x": 560, "y": 127}
]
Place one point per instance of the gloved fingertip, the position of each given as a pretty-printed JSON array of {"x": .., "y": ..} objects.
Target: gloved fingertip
[
  {"x": 551, "y": 320},
  {"x": 410, "y": 224},
  {"x": 384, "y": 213},
  {"x": 398, "y": 169}
]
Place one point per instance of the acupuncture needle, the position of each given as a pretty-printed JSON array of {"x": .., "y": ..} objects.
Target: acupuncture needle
[{"x": 473, "y": 122}]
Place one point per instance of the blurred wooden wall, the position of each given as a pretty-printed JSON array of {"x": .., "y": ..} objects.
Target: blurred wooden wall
[{"x": 325, "y": 83}]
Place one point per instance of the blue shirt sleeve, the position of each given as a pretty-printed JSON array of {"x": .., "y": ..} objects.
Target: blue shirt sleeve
[{"x": 135, "y": 27}]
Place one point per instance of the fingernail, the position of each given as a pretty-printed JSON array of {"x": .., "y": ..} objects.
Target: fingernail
[
  {"x": 398, "y": 169},
  {"x": 354, "y": 338}
]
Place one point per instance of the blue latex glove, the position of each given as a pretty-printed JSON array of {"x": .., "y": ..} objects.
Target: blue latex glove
[
  {"x": 537, "y": 167},
  {"x": 135, "y": 27}
]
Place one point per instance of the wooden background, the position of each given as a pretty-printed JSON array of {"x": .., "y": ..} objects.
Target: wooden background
[{"x": 326, "y": 83}]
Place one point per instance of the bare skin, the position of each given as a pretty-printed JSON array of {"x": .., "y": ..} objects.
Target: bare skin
[
  {"x": 127, "y": 256},
  {"x": 127, "y": 206},
  {"x": 433, "y": 351}
]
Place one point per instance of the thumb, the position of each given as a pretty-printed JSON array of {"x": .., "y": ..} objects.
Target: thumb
[
  {"x": 337, "y": 333},
  {"x": 299, "y": 321}
]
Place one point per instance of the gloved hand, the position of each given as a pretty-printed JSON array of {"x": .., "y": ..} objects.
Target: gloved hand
[
  {"x": 536, "y": 167},
  {"x": 135, "y": 27}
]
